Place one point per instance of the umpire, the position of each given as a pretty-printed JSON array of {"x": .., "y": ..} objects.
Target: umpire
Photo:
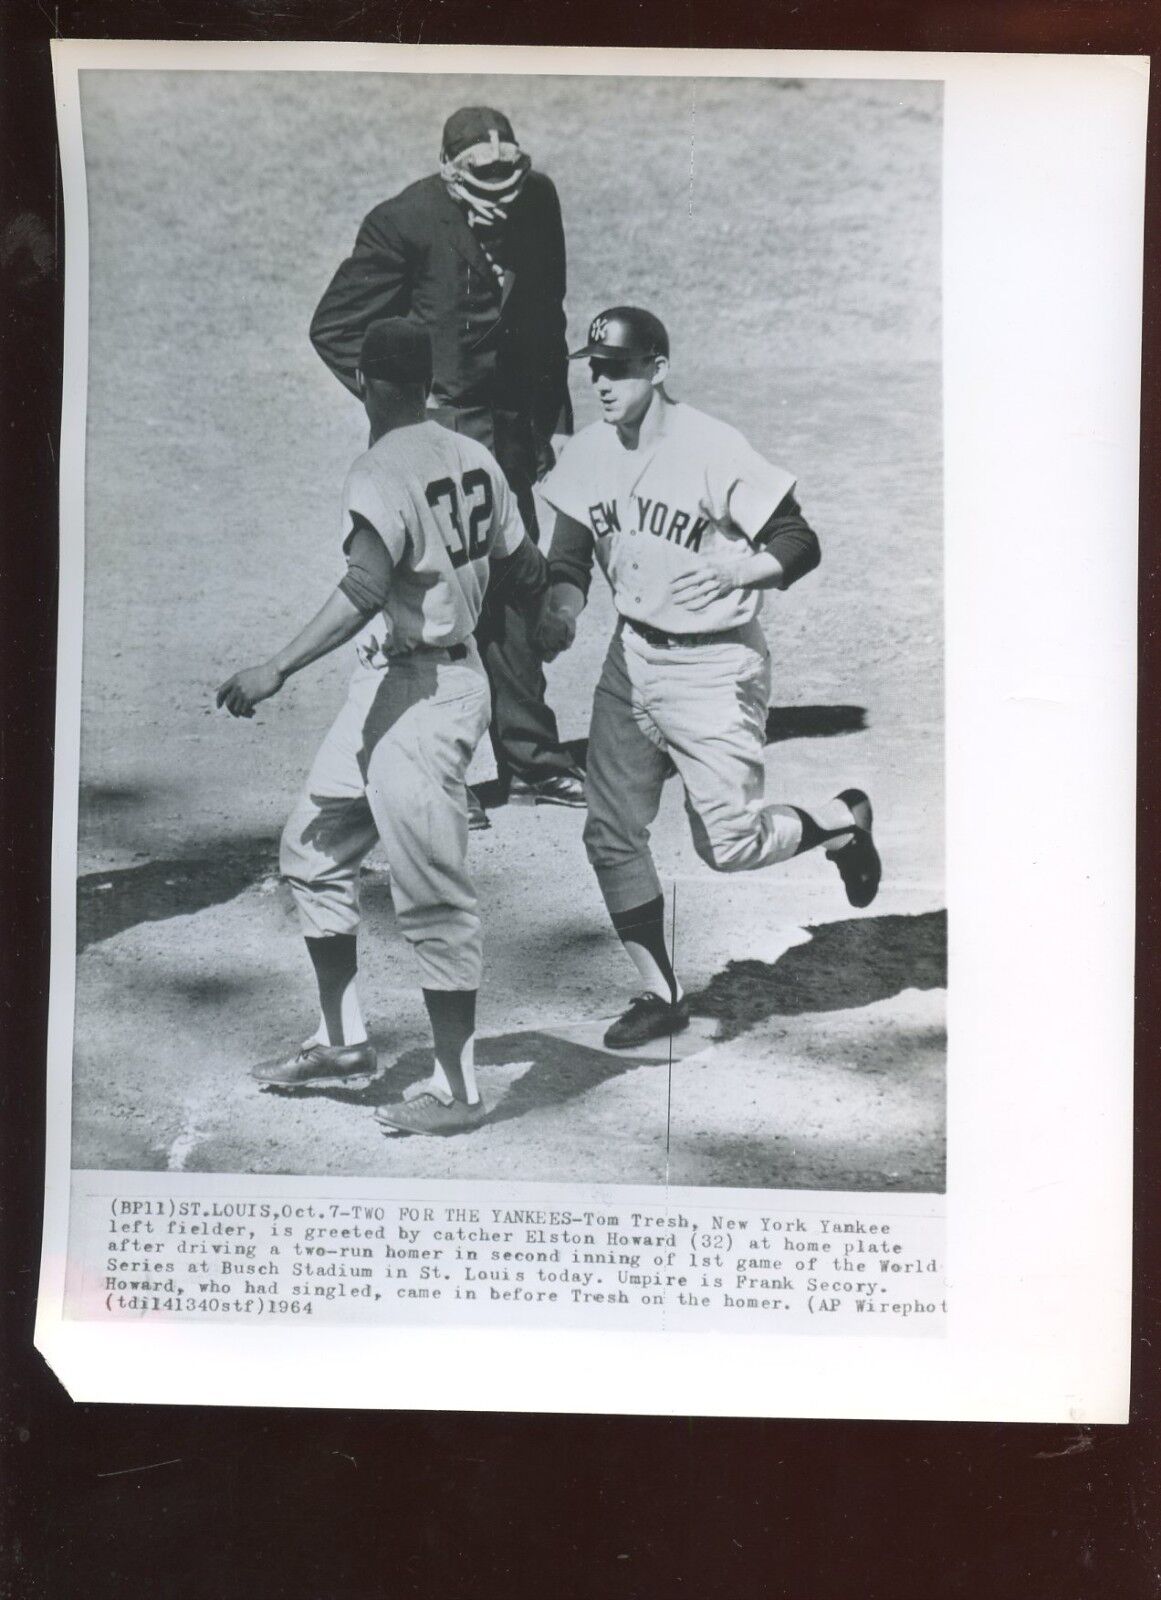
[{"x": 476, "y": 254}]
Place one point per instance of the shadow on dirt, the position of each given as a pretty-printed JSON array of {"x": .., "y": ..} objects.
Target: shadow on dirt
[
  {"x": 110, "y": 902},
  {"x": 213, "y": 992},
  {"x": 844, "y": 965},
  {"x": 109, "y": 799},
  {"x": 813, "y": 722},
  {"x": 556, "y": 1071}
]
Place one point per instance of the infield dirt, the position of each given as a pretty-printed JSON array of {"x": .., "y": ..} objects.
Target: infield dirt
[{"x": 788, "y": 233}]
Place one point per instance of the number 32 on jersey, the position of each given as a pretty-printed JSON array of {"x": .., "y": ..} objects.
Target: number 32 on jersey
[{"x": 450, "y": 501}]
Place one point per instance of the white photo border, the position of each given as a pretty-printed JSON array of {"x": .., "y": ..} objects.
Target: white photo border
[{"x": 1043, "y": 226}]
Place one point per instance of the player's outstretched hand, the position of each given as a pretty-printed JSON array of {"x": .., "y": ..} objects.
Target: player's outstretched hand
[
  {"x": 554, "y": 632},
  {"x": 698, "y": 589},
  {"x": 241, "y": 693}
]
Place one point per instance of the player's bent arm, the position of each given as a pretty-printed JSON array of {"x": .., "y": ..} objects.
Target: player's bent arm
[
  {"x": 788, "y": 536},
  {"x": 786, "y": 550},
  {"x": 570, "y": 556},
  {"x": 520, "y": 578},
  {"x": 555, "y": 627},
  {"x": 338, "y": 620},
  {"x": 358, "y": 597},
  {"x": 361, "y": 594},
  {"x": 722, "y": 575},
  {"x": 570, "y": 570}
]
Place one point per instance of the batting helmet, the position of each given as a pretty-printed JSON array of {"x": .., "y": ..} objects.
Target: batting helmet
[{"x": 625, "y": 333}]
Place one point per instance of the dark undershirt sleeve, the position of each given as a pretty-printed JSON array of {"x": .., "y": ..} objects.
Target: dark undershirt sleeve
[
  {"x": 570, "y": 560},
  {"x": 521, "y": 578},
  {"x": 790, "y": 539},
  {"x": 368, "y": 577}
]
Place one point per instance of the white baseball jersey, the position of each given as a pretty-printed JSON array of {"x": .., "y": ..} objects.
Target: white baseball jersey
[
  {"x": 442, "y": 507},
  {"x": 699, "y": 490}
]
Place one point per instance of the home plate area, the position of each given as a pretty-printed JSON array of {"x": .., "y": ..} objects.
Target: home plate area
[{"x": 529, "y": 1071}]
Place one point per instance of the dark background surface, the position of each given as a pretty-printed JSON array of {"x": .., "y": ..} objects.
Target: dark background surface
[{"x": 109, "y": 1500}]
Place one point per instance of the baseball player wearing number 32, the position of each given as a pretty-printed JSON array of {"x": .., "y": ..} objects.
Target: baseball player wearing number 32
[
  {"x": 690, "y": 525},
  {"x": 428, "y": 520}
]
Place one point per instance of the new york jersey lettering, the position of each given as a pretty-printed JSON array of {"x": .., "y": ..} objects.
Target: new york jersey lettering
[
  {"x": 655, "y": 517},
  {"x": 655, "y": 512},
  {"x": 604, "y": 518}
]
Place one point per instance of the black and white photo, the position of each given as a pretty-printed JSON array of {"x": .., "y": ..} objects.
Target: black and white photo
[
  {"x": 791, "y": 256},
  {"x": 592, "y": 831}
]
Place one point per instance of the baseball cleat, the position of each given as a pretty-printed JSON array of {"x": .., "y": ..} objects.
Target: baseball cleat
[
  {"x": 477, "y": 817},
  {"x": 427, "y": 1113},
  {"x": 319, "y": 1065},
  {"x": 858, "y": 861},
  {"x": 562, "y": 789},
  {"x": 648, "y": 1017}
]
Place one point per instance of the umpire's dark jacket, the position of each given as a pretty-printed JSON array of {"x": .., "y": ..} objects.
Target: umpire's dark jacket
[{"x": 500, "y": 353}]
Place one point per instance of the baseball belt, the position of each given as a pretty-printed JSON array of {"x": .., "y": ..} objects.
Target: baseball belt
[{"x": 662, "y": 639}]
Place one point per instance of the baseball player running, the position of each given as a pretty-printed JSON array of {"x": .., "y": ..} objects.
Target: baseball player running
[
  {"x": 690, "y": 525},
  {"x": 428, "y": 519}
]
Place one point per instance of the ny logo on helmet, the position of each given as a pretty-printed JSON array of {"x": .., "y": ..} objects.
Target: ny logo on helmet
[{"x": 599, "y": 330}]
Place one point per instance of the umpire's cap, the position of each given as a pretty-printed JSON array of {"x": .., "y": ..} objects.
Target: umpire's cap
[
  {"x": 398, "y": 350},
  {"x": 472, "y": 125},
  {"x": 624, "y": 333}
]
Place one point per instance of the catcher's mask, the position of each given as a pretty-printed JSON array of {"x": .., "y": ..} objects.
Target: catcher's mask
[{"x": 481, "y": 163}]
